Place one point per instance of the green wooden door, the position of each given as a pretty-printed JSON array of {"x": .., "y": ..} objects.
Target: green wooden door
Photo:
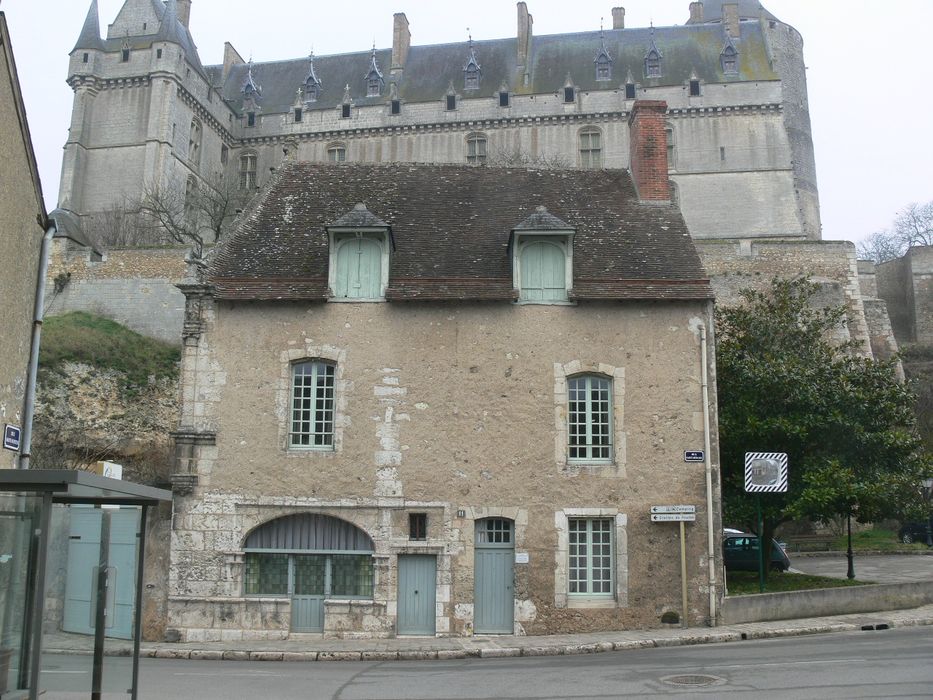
[
  {"x": 309, "y": 573},
  {"x": 417, "y": 594},
  {"x": 493, "y": 575},
  {"x": 359, "y": 269},
  {"x": 543, "y": 272}
]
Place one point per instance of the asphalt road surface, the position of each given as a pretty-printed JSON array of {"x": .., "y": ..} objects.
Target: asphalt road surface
[
  {"x": 887, "y": 568},
  {"x": 896, "y": 663}
]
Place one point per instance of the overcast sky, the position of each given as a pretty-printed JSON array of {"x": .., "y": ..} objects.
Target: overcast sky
[{"x": 868, "y": 72}]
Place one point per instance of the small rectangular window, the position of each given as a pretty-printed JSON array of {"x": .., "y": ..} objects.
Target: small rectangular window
[
  {"x": 568, "y": 94},
  {"x": 223, "y": 155},
  {"x": 451, "y": 102},
  {"x": 396, "y": 107},
  {"x": 504, "y": 99},
  {"x": 417, "y": 526},
  {"x": 722, "y": 153},
  {"x": 158, "y": 53},
  {"x": 297, "y": 114},
  {"x": 345, "y": 111},
  {"x": 630, "y": 91},
  {"x": 590, "y": 557},
  {"x": 84, "y": 58},
  {"x": 250, "y": 119},
  {"x": 694, "y": 88},
  {"x": 125, "y": 55}
]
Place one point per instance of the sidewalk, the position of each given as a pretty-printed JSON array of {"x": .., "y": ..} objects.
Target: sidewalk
[{"x": 313, "y": 648}]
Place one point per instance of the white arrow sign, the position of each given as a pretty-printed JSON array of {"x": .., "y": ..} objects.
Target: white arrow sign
[
  {"x": 673, "y": 517},
  {"x": 673, "y": 509}
]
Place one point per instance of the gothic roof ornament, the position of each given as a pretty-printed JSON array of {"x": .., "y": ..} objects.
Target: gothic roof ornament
[
  {"x": 653, "y": 47},
  {"x": 374, "y": 71},
  {"x": 312, "y": 78},
  {"x": 346, "y": 94},
  {"x": 472, "y": 64},
  {"x": 251, "y": 89},
  {"x": 603, "y": 55}
]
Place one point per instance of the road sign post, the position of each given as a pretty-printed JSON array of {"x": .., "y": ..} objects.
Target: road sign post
[
  {"x": 765, "y": 472},
  {"x": 679, "y": 515}
]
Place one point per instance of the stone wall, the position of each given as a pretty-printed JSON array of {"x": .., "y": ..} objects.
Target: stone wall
[
  {"x": 906, "y": 284},
  {"x": 133, "y": 286},
  {"x": 453, "y": 410}
]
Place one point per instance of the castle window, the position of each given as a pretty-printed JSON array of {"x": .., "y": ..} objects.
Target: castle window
[
  {"x": 84, "y": 58},
  {"x": 125, "y": 55},
  {"x": 590, "y": 148},
  {"x": 395, "y": 107},
  {"x": 311, "y": 92},
  {"x": 476, "y": 149},
  {"x": 158, "y": 53},
  {"x": 248, "y": 171},
  {"x": 337, "y": 153},
  {"x": 250, "y": 119},
  {"x": 312, "y": 423},
  {"x": 729, "y": 59},
  {"x": 669, "y": 134},
  {"x": 417, "y": 526},
  {"x": 589, "y": 418},
  {"x": 297, "y": 114},
  {"x": 194, "y": 143},
  {"x": 373, "y": 87},
  {"x": 345, "y": 111},
  {"x": 630, "y": 91},
  {"x": 504, "y": 99},
  {"x": 224, "y": 151},
  {"x": 603, "y": 67},
  {"x": 722, "y": 153},
  {"x": 694, "y": 88},
  {"x": 451, "y": 102},
  {"x": 569, "y": 94},
  {"x": 653, "y": 64},
  {"x": 471, "y": 79}
]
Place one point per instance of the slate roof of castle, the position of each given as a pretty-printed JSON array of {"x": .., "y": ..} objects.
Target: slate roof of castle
[
  {"x": 452, "y": 229},
  {"x": 748, "y": 9},
  {"x": 430, "y": 69}
]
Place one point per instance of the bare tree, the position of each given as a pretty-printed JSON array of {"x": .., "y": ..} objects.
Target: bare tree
[
  {"x": 193, "y": 213},
  {"x": 123, "y": 226},
  {"x": 516, "y": 157},
  {"x": 913, "y": 226}
]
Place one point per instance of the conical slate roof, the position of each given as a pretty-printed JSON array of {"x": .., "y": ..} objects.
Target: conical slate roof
[{"x": 90, "y": 32}]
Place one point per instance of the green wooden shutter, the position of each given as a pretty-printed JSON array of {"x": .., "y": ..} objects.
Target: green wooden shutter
[
  {"x": 542, "y": 271},
  {"x": 359, "y": 269}
]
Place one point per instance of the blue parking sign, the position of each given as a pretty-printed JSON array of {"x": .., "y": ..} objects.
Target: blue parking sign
[{"x": 11, "y": 437}]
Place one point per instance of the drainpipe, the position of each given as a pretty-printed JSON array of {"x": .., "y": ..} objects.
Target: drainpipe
[
  {"x": 29, "y": 408},
  {"x": 711, "y": 540}
]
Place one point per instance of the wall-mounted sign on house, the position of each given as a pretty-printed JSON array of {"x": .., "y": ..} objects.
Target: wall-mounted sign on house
[{"x": 11, "y": 437}]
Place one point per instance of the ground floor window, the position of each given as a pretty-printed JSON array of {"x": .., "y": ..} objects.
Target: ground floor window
[
  {"x": 590, "y": 550},
  {"x": 328, "y": 575}
]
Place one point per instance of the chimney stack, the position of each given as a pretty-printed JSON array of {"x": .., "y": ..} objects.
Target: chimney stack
[
  {"x": 525, "y": 23},
  {"x": 231, "y": 58},
  {"x": 648, "y": 143},
  {"x": 401, "y": 41},
  {"x": 696, "y": 13},
  {"x": 618, "y": 18},
  {"x": 184, "y": 11},
  {"x": 730, "y": 18}
]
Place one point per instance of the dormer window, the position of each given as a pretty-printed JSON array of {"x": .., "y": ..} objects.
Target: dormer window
[
  {"x": 359, "y": 256},
  {"x": 729, "y": 59},
  {"x": 694, "y": 87},
  {"x": 471, "y": 70},
  {"x": 374, "y": 80},
  {"x": 542, "y": 259},
  {"x": 569, "y": 94},
  {"x": 653, "y": 64},
  {"x": 312, "y": 86},
  {"x": 84, "y": 58},
  {"x": 603, "y": 68},
  {"x": 250, "y": 119},
  {"x": 471, "y": 80},
  {"x": 373, "y": 87},
  {"x": 630, "y": 91},
  {"x": 311, "y": 93}
]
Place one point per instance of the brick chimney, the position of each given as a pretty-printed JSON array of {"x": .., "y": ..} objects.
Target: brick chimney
[
  {"x": 184, "y": 11},
  {"x": 648, "y": 142},
  {"x": 730, "y": 18},
  {"x": 401, "y": 41},
  {"x": 231, "y": 58},
  {"x": 618, "y": 18},
  {"x": 525, "y": 23},
  {"x": 696, "y": 13}
]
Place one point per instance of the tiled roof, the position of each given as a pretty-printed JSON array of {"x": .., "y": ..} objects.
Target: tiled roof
[{"x": 452, "y": 226}]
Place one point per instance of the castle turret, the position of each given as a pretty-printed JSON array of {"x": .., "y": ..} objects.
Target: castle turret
[{"x": 90, "y": 32}]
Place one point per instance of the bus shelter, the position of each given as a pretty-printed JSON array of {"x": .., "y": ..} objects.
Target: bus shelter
[{"x": 72, "y": 547}]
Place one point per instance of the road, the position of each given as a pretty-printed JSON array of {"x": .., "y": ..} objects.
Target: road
[
  {"x": 887, "y": 568},
  {"x": 877, "y": 664}
]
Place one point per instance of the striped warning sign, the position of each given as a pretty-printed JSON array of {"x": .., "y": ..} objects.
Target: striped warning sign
[{"x": 766, "y": 472}]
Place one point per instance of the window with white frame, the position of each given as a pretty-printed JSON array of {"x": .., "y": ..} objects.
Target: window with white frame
[
  {"x": 248, "y": 171},
  {"x": 337, "y": 153},
  {"x": 312, "y": 405},
  {"x": 591, "y": 154},
  {"x": 476, "y": 149},
  {"x": 589, "y": 418},
  {"x": 590, "y": 557}
]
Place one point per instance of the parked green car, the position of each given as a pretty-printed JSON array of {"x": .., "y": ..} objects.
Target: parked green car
[{"x": 740, "y": 553}]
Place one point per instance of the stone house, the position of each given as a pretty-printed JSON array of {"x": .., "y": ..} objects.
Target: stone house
[
  {"x": 441, "y": 400},
  {"x": 22, "y": 224}
]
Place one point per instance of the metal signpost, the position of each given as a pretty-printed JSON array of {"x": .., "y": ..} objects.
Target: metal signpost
[
  {"x": 678, "y": 514},
  {"x": 765, "y": 472}
]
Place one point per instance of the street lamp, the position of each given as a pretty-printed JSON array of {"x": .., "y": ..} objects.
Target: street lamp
[{"x": 927, "y": 494}]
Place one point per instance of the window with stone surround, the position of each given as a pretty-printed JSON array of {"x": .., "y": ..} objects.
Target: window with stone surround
[
  {"x": 589, "y": 419},
  {"x": 591, "y": 154},
  {"x": 476, "y": 149},
  {"x": 248, "y": 171},
  {"x": 590, "y": 565},
  {"x": 312, "y": 406},
  {"x": 337, "y": 152},
  {"x": 653, "y": 64},
  {"x": 729, "y": 60}
]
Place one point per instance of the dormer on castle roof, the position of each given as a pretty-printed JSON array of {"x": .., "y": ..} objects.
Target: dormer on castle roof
[
  {"x": 251, "y": 89},
  {"x": 472, "y": 71},
  {"x": 374, "y": 80},
  {"x": 312, "y": 84},
  {"x": 603, "y": 59}
]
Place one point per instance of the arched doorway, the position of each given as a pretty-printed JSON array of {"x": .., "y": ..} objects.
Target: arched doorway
[
  {"x": 494, "y": 578},
  {"x": 309, "y": 557}
]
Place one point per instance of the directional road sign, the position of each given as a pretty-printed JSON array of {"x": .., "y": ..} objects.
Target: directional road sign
[
  {"x": 673, "y": 509},
  {"x": 673, "y": 517}
]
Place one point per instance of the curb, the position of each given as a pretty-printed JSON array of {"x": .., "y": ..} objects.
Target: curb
[{"x": 737, "y": 633}]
